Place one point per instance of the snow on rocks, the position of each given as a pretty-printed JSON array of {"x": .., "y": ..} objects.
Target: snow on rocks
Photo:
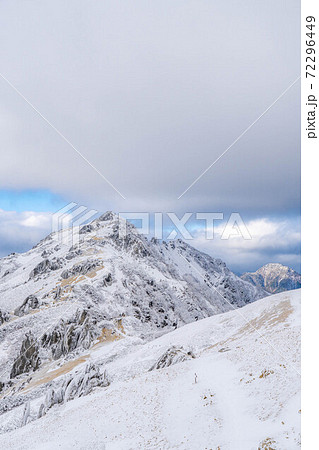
[
  {"x": 243, "y": 398},
  {"x": 28, "y": 358},
  {"x": 74, "y": 386},
  {"x": 45, "y": 266},
  {"x": 31, "y": 302},
  {"x": 79, "y": 331},
  {"x": 173, "y": 355},
  {"x": 108, "y": 292}
]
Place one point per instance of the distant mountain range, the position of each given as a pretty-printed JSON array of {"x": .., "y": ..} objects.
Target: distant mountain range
[{"x": 274, "y": 278}]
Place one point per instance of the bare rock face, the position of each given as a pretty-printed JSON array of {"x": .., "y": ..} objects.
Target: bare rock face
[
  {"x": 31, "y": 302},
  {"x": 81, "y": 269},
  {"x": 80, "y": 331},
  {"x": 73, "y": 253},
  {"x": 28, "y": 358},
  {"x": 46, "y": 266},
  {"x": 86, "y": 229},
  {"x": 107, "y": 281},
  {"x": 107, "y": 216},
  {"x": 4, "y": 317},
  {"x": 42, "y": 267},
  {"x": 172, "y": 356}
]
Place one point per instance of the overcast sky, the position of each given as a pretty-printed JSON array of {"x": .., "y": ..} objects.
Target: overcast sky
[{"x": 151, "y": 93}]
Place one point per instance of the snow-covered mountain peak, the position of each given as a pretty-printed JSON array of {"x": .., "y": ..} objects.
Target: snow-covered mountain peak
[
  {"x": 59, "y": 301},
  {"x": 274, "y": 277}
]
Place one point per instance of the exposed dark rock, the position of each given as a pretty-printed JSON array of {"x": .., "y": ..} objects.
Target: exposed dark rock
[
  {"x": 31, "y": 302},
  {"x": 4, "y": 317},
  {"x": 107, "y": 281},
  {"x": 45, "y": 266},
  {"x": 72, "y": 254},
  {"x": 108, "y": 215},
  {"x": 140, "y": 250},
  {"x": 28, "y": 358},
  {"x": 86, "y": 229},
  {"x": 82, "y": 268},
  {"x": 66, "y": 274},
  {"x": 57, "y": 292}
]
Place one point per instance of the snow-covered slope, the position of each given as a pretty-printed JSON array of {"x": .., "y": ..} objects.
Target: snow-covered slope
[
  {"x": 67, "y": 298},
  {"x": 225, "y": 382},
  {"x": 274, "y": 278},
  {"x": 57, "y": 304}
]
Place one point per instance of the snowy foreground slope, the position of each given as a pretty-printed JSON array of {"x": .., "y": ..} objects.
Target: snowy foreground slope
[{"x": 225, "y": 382}]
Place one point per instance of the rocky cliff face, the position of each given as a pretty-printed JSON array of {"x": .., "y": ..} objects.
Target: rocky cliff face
[
  {"x": 28, "y": 358},
  {"x": 274, "y": 278},
  {"x": 59, "y": 301}
]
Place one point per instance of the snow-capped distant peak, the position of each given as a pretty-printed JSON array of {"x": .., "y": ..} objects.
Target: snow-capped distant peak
[{"x": 274, "y": 278}]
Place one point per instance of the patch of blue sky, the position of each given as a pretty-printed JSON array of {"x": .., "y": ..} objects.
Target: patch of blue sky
[{"x": 38, "y": 200}]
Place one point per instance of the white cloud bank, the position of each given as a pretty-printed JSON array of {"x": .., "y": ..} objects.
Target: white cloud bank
[
  {"x": 20, "y": 231},
  {"x": 272, "y": 240}
]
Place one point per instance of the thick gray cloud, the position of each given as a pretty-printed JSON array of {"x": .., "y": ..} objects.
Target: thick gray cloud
[{"x": 152, "y": 93}]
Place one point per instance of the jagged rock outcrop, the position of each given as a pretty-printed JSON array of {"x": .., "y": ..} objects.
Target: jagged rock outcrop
[
  {"x": 31, "y": 302},
  {"x": 28, "y": 358},
  {"x": 69, "y": 335},
  {"x": 73, "y": 253},
  {"x": 4, "y": 317},
  {"x": 172, "y": 356},
  {"x": 45, "y": 266},
  {"x": 107, "y": 216},
  {"x": 82, "y": 268},
  {"x": 86, "y": 229},
  {"x": 73, "y": 386}
]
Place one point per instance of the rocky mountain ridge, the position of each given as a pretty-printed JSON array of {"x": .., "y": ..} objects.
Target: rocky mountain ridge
[
  {"x": 57, "y": 302},
  {"x": 274, "y": 278}
]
